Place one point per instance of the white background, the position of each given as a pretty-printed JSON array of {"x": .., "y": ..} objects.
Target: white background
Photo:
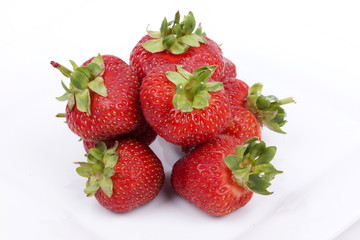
[{"x": 309, "y": 50}]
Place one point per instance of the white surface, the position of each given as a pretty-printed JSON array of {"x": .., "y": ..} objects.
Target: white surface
[{"x": 306, "y": 49}]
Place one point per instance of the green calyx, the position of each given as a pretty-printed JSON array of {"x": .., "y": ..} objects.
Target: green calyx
[
  {"x": 267, "y": 109},
  {"x": 99, "y": 169},
  {"x": 192, "y": 90},
  {"x": 82, "y": 80},
  {"x": 175, "y": 36},
  {"x": 251, "y": 165}
]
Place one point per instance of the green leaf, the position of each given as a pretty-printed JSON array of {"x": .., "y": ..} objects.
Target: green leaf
[
  {"x": 92, "y": 188},
  {"x": 267, "y": 155},
  {"x": 178, "y": 48},
  {"x": 71, "y": 101},
  {"x": 201, "y": 100},
  {"x": 109, "y": 172},
  {"x": 240, "y": 150},
  {"x": 110, "y": 159},
  {"x": 92, "y": 159},
  {"x": 153, "y": 34},
  {"x": 164, "y": 28},
  {"x": 169, "y": 41},
  {"x": 268, "y": 170},
  {"x": 79, "y": 80},
  {"x": 63, "y": 97},
  {"x": 213, "y": 86},
  {"x": 95, "y": 69},
  {"x": 258, "y": 149},
  {"x": 84, "y": 170},
  {"x": 98, "y": 86},
  {"x": 189, "y": 23},
  {"x": 187, "y": 75},
  {"x": 101, "y": 146},
  {"x": 258, "y": 185},
  {"x": 106, "y": 185},
  {"x": 190, "y": 40},
  {"x": 177, "y": 30},
  {"x": 97, "y": 153},
  {"x": 176, "y": 78},
  {"x": 242, "y": 176},
  {"x": 154, "y": 46},
  {"x": 274, "y": 126},
  {"x": 98, "y": 60},
  {"x": 232, "y": 162},
  {"x": 83, "y": 101},
  {"x": 74, "y": 65}
]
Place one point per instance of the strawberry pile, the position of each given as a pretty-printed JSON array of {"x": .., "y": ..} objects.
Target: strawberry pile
[{"x": 180, "y": 87}]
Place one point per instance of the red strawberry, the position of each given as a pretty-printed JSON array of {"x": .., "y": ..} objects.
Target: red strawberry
[
  {"x": 221, "y": 175},
  {"x": 229, "y": 69},
  {"x": 102, "y": 98},
  {"x": 123, "y": 177},
  {"x": 184, "y": 108},
  {"x": 144, "y": 133},
  {"x": 236, "y": 90},
  {"x": 249, "y": 113},
  {"x": 176, "y": 44},
  {"x": 243, "y": 124}
]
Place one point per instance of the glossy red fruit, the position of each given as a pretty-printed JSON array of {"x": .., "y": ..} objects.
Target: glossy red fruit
[
  {"x": 102, "y": 98},
  {"x": 243, "y": 124},
  {"x": 176, "y": 115},
  {"x": 144, "y": 133},
  {"x": 237, "y": 91},
  {"x": 123, "y": 177},
  {"x": 229, "y": 69},
  {"x": 221, "y": 175},
  {"x": 176, "y": 44}
]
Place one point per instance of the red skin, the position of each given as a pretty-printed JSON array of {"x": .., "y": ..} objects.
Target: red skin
[
  {"x": 116, "y": 114},
  {"x": 139, "y": 176},
  {"x": 183, "y": 129},
  {"x": 195, "y": 57},
  {"x": 202, "y": 178},
  {"x": 229, "y": 69},
  {"x": 144, "y": 133},
  {"x": 243, "y": 124},
  {"x": 237, "y": 91}
]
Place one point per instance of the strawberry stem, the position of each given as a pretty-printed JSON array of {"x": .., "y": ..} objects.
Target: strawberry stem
[
  {"x": 65, "y": 71},
  {"x": 286, "y": 101},
  {"x": 192, "y": 90}
]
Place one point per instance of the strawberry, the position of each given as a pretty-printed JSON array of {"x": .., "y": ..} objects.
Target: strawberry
[
  {"x": 249, "y": 113},
  {"x": 102, "y": 98},
  {"x": 144, "y": 133},
  {"x": 182, "y": 107},
  {"x": 237, "y": 91},
  {"x": 221, "y": 175},
  {"x": 229, "y": 69},
  {"x": 124, "y": 176},
  {"x": 176, "y": 43}
]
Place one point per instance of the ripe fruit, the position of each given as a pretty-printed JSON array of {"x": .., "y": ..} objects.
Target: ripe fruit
[
  {"x": 144, "y": 133},
  {"x": 249, "y": 112},
  {"x": 221, "y": 175},
  {"x": 237, "y": 91},
  {"x": 124, "y": 176},
  {"x": 229, "y": 69},
  {"x": 176, "y": 44},
  {"x": 102, "y": 98},
  {"x": 184, "y": 108}
]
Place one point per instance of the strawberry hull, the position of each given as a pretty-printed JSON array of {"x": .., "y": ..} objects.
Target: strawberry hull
[
  {"x": 207, "y": 54},
  {"x": 138, "y": 179},
  {"x": 117, "y": 113},
  {"x": 175, "y": 126},
  {"x": 203, "y": 179}
]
